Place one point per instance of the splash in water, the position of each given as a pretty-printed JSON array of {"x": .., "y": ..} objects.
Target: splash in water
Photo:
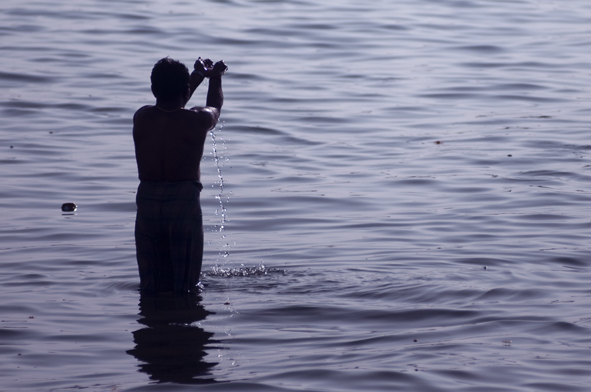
[{"x": 242, "y": 271}]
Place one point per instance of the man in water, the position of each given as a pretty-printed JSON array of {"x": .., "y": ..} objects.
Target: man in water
[{"x": 169, "y": 141}]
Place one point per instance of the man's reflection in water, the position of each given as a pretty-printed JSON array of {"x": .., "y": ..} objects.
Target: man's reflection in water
[{"x": 171, "y": 348}]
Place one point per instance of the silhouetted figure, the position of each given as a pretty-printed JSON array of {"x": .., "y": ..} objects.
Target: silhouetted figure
[
  {"x": 171, "y": 348},
  {"x": 169, "y": 143}
]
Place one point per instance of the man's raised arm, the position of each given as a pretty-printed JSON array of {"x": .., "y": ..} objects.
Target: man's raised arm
[
  {"x": 215, "y": 96},
  {"x": 201, "y": 69}
]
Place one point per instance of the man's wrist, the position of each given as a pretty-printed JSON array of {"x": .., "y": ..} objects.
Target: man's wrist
[{"x": 199, "y": 73}]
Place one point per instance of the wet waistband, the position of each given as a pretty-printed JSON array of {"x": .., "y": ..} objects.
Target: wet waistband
[
  {"x": 171, "y": 184},
  {"x": 168, "y": 191}
]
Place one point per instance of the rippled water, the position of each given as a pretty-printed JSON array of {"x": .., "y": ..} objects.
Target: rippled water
[{"x": 404, "y": 200}]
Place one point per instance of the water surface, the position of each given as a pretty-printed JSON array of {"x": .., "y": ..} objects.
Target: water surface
[{"x": 404, "y": 204}]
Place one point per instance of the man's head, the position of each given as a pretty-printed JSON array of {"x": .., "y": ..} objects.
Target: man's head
[{"x": 170, "y": 79}]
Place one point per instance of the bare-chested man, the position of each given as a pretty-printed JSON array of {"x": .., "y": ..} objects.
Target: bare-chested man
[{"x": 169, "y": 143}]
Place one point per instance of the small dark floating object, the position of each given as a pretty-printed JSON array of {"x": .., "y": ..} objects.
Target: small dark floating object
[
  {"x": 69, "y": 207},
  {"x": 438, "y": 142},
  {"x": 415, "y": 340}
]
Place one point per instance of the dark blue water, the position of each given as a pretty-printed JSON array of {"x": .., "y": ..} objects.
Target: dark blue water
[{"x": 396, "y": 198}]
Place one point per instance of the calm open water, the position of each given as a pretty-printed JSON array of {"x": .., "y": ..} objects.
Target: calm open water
[{"x": 405, "y": 202}]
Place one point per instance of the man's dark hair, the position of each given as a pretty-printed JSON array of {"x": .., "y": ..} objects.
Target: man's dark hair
[{"x": 170, "y": 79}]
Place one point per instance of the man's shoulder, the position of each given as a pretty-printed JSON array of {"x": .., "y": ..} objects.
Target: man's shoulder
[
  {"x": 200, "y": 113},
  {"x": 206, "y": 112},
  {"x": 142, "y": 110},
  {"x": 198, "y": 110}
]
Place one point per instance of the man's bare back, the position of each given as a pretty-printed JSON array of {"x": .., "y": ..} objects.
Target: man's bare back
[{"x": 169, "y": 144}]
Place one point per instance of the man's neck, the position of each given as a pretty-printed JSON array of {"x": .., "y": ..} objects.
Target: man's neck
[{"x": 170, "y": 106}]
